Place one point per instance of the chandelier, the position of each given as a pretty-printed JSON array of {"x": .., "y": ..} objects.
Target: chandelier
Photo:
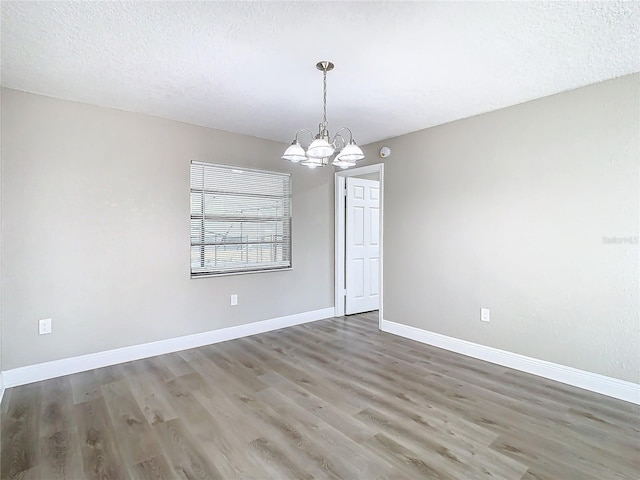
[{"x": 345, "y": 153}]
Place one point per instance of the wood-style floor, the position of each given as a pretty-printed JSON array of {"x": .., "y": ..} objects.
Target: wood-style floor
[{"x": 330, "y": 399}]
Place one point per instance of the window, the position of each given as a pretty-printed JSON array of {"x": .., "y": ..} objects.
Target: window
[{"x": 240, "y": 220}]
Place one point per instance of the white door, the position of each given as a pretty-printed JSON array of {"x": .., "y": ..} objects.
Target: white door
[{"x": 362, "y": 249}]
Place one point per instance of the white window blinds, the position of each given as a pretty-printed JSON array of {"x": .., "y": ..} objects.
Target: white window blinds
[{"x": 240, "y": 220}]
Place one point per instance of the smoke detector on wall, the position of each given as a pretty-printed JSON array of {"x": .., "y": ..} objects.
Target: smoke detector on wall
[{"x": 385, "y": 152}]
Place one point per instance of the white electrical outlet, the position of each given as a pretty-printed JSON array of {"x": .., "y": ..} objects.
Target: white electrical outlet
[
  {"x": 485, "y": 315},
  {"x": 44, "y": 326},
  {"x": 234, "y": 299}
]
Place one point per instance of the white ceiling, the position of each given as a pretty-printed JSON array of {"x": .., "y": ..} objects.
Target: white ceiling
[{"x": 250, "y": 67}]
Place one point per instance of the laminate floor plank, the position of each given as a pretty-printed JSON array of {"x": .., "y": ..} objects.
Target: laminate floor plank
[
  {"x": 240, "y": 433},
  {"x": 238, "y": 355},
  {"x": 100, "y": 453},
  {"x": 449, "y": 392},
  {"x": 210, "y": 372},
  {"x": 243, "y": 375},
  {"x": 20, "y": 432},
  {"x": 408, "y": 464},
  {"x": 360, "y": 384},
  {"x": 85, "y": 386},
  {"x": 273, "y": 457},
  {"x": 136, "y": 440},
  {"x": 325, "y": 411},
  {"x": 108, "y": 374},
  {"x": 206, "y": 430},
  {"x": 452, "y": 442},
  {"x": 446, "y": 358},
  {"x": 335, "y": 445},
  {"x": 544, "y": 465},
  {"x": 432, "y": 451},
  {"x": 466, "y": 377},
  {"x": 627, "y": 446},
  {"x": 157, "y": 369},
  {"x": 597, "y": 405},
  {"x": 147, "y": 390},
  {"x": 186, "y": 459},
  {"x": 622, "y": 426},
  {"x": 155, "y": 468},
  {"x": 586, "y": 461},
  {"x": 177, "y": 365},
  {"x": 60, "y": 456},
  {"x": 310, "y": 379},
  {"x": 333, "y": 399},
  {"x": 247, "y": 455},
  {"x": 286, "y": 432}
]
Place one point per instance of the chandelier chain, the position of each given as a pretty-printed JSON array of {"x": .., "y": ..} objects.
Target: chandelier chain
[{"x": 325, "y": 98}]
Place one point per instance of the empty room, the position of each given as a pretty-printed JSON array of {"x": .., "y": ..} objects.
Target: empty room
[{"x": 320, "y": 240}]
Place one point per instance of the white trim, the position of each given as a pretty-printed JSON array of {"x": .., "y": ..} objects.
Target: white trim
[
  {"x": 339, "y": 216},
  {"x": 612, "y": 387},
  {"x": 1, "y": 387},
  {"x": 339, "y": 282},
  {"x": 67, "y": 366}
]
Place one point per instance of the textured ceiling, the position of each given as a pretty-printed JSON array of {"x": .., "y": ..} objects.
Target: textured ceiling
[{"x": 250, "y": 67}]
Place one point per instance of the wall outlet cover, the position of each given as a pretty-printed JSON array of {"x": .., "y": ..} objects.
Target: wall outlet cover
[
  {"x": 485, "y": 315},
  {"x": 44, "y": 326}
]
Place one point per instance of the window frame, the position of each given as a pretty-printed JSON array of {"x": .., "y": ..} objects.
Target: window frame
[{"x": 287, "y": 219}]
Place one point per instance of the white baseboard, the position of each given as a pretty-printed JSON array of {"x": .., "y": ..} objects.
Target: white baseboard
[
  {"x": 612, "y": 387},
  {"x": 67, "y": 366},
  {"x": 1, "y": 387}
]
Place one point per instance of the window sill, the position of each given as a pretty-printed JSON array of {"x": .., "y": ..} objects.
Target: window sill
[{"x": 210, "y": 275}]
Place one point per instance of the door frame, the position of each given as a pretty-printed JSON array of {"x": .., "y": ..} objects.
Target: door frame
[{"x": 340, "y": 230}]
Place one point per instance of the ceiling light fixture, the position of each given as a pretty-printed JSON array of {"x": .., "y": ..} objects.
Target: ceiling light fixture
[{"x": 345, "y": 153}]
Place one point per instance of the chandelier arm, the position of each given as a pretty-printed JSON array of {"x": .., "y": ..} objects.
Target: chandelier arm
[
  {"x": 335, "y": 139},
  {"x": 305, "y": 130},
  {"x": 348, "y": 130},
  {"x": 350, "y": 135}
]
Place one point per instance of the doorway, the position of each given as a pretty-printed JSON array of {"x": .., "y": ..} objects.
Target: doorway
[{"x": 375, "y": 266}]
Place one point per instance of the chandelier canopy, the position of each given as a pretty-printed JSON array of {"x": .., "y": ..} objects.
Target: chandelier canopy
[{"x": 345, "y": 153}]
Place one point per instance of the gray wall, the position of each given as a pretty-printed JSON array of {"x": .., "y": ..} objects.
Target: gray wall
[
  {"x": 95, "y": 231},
  {"x": 1, "y": 381},
  {"x": 508, "y": 211}
]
